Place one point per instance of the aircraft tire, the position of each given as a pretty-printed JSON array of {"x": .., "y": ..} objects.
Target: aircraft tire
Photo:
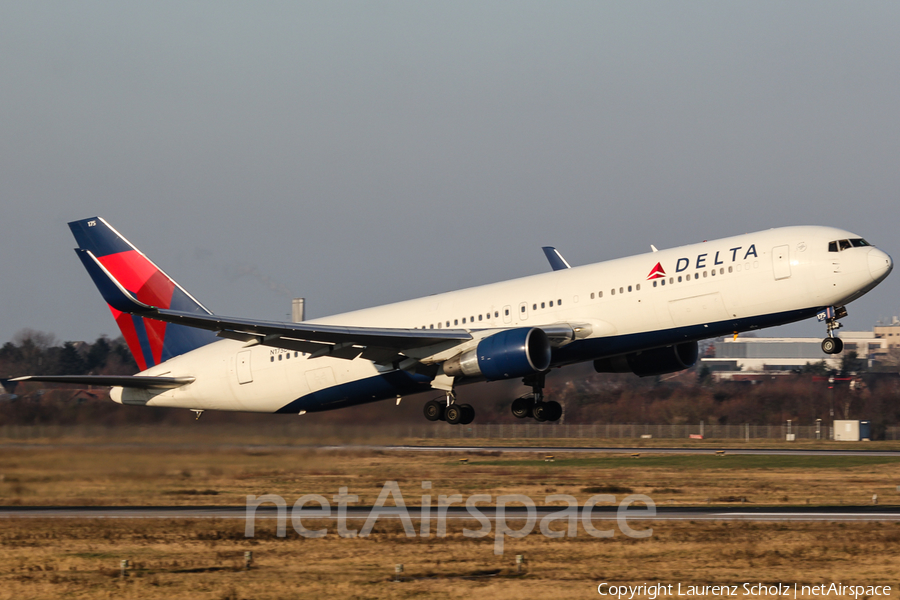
[
  {"x": 521, "y": 407},
  {"x": 468, "y": 414},
  {"x": 434, "y": 410},
  {"x": 832, "y": 345},
  {"x": 540, "y": 412},
  {"x": 453, "y": 414},
  {"x": 554, "y": 410}
]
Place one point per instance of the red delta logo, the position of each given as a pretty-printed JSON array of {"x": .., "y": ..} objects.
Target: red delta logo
[{"x": 657, "y": 272}]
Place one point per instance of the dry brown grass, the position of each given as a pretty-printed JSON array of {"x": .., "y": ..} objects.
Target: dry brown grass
[
  {"x": 135, "y": 475},
  {"x": 203, "y": 558}
]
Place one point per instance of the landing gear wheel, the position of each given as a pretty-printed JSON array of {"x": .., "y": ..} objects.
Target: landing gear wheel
[
  {"x": 468, "y": 414},
  {"x": 434, "y": 410},
  {"x": 521, "y": 407},
  {"x": 541, "y": 412},
  {"x": 553, "y": 410},
  {"x": 832, "y": 345},
  {"x": 453, "y": 414}
]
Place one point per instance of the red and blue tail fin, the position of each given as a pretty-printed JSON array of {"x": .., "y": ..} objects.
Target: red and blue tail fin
[{"x": 150, "y": 341}]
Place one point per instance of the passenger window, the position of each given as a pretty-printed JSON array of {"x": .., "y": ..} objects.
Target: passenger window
[
  {"x": 521, "y": 308},
  {"x": 663, "y": 281},
  {"x": 722, "y": 271},
  {"x": 448, "y": 323},
  {"x": 729, "y": 269},
  {"x": 688, "y": 277},
  {"x": 542, "y": 305},
  {"x": 713, "y": 272},
  {"x": 621, "y": 290},
  {"x": 600, "y": 295},
  {"x": 612, "y": 292},
  {"x": 551, "y": 304},
  {"x": 496, "y": 314},
  {"x": 479, "y": 317},
  {"x": 558, "y": 302},
  {"x": 592, "y": 295},
  {"x": 271, "y": 359},
  {"x": 679, "y": 279},
  {"x": 629, "y": 288},
  {"x": 455, "y": 321},
  {"x": 704, "y": 273},
  {"x": 464, "y": 320},
  {"x": 534, "y": 307},
  {"x": 638, "y": 287}
]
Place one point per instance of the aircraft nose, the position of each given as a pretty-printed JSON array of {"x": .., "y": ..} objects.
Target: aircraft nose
[{"x": 880, "y": 264}]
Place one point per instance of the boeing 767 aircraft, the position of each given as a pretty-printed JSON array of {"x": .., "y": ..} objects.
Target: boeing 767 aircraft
[{"x": 642, "y": 314}]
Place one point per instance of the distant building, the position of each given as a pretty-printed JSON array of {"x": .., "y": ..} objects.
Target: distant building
[
  {"x": 780, "y": 356},
  {"x": 890, "y": 333}
]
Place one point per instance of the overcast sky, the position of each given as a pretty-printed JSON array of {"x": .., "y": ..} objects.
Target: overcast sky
[{"x": 362, "y": 153}]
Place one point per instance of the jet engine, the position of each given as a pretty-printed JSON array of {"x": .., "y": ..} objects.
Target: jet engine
[
  {"x": 651, "y": 362},
  {"x": 506, "y": 355}
]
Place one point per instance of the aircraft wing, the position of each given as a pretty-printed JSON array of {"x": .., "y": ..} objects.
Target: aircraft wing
[{"x": 378, "y": 344}]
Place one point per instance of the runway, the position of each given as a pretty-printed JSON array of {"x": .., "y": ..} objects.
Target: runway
[
  {"x": 617, "y": 450},
  {"x": 599, "y": 513},
  {"x": 709, "y": 450}
]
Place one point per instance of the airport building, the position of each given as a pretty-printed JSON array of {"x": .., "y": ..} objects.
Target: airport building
[{"x": 735, "y": 358}]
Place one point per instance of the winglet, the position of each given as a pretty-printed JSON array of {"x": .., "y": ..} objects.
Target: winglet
[{"x": 557, "y": 262}]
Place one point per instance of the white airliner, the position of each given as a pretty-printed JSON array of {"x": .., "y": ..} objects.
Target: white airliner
[{"x": 642, "y": 314}]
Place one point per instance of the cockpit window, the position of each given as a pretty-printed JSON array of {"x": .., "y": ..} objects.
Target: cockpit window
[{"x": 839, "y": 245}]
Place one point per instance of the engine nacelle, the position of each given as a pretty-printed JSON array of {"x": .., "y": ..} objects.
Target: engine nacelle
[
  {"x": 505, "y": 355},
  {"x": 651, "y": 362}
]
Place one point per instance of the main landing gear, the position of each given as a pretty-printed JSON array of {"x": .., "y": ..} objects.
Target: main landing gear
[
  {"x": 533, "y": 405},
  {"x": 449, "y": 411},
  {"x": 832, "y": 344}
]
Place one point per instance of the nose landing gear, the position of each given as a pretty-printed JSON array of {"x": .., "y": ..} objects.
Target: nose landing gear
[{"x": 832, "y": 344}]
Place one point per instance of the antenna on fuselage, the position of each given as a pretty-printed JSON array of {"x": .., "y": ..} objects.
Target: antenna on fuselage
[{"x": 652, "y": 247}]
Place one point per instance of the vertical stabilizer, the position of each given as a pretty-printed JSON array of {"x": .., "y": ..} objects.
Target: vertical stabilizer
[{"x": 151, "y": 342}]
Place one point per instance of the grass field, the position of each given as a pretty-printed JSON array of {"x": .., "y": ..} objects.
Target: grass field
[{"x": 202, "y": 558}]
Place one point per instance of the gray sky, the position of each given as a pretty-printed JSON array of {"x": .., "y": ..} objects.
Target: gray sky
[{"x": 362, "y": 153}]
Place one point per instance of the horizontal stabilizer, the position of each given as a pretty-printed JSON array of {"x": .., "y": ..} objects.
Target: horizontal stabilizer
[{"x": 128, "y": 381}]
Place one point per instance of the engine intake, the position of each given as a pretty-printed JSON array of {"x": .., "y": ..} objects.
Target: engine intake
[
  {"x": 505, "y": 355},
  {"x": 651, "y": 362}
]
